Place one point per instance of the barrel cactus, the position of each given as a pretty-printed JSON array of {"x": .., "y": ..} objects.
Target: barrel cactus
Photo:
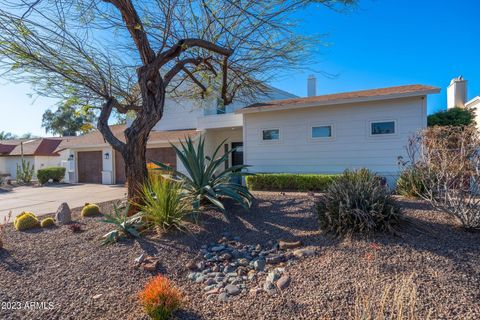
[
  {"x": 90, "y": 209},
  {"x": 47, "y": 222},
  {"x": 26, "y": 220}
]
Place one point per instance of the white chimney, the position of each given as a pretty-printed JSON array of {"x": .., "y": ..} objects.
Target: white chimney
[
  {"x": 311, "y": 86},
  {"x": 457, "y": 93}
]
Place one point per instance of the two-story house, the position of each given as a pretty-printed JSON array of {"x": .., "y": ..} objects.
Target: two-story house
[{"x": 278, "y": 133}]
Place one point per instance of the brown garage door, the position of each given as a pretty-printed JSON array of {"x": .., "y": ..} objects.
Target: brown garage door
[
  {"x": 165, "y": 155},
  {"x": 89, "y": 166}
]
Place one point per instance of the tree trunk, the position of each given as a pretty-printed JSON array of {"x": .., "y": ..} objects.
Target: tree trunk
[{"x": 135, "y": 169}]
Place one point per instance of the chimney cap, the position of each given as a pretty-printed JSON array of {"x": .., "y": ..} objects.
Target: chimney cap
[{"x": 458, "y": 79}]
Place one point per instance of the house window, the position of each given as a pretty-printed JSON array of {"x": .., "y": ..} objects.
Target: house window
[
  {"x": 321, "y": 132},
  {"x": 384, "y": 127},
  {"x": 271, "y": 134}
]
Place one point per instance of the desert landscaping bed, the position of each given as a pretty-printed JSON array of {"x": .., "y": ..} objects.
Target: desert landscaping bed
[{"x": 84, "y": 280}]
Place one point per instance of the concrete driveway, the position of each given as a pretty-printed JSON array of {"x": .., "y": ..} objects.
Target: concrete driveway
[{"x": 43, "y": 200}]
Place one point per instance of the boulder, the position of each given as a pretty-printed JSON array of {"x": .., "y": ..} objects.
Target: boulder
[{"x": 63, "y": 214}]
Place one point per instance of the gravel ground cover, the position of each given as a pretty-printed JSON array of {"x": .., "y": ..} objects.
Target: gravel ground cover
[{"x": 57, "y": 274}]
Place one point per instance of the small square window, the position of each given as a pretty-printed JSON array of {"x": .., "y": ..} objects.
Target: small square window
[
  {"x": 271, "y": 134},
  {"x": 384, "y": 127},
  {"x": 322, "y": 132}
]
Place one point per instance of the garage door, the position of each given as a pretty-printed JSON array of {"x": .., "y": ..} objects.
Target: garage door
[
  {"x": 89, "y": 166},
  {"x": 164, "y": 155}
]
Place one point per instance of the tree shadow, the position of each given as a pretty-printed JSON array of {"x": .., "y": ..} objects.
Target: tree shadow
[{"x": 9, "y": 263}]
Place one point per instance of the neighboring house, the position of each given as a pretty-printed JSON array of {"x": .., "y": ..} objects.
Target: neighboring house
[
  {"x": 39, "y": 152},
  {"x": 457, "y": 97},
  {"x": 278, "y": 133}
]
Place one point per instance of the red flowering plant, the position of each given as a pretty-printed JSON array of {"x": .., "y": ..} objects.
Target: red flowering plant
[{"x": 160, "y": 298}]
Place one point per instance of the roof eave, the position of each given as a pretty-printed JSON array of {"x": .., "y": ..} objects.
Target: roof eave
[{"x": 338, "y": 101}]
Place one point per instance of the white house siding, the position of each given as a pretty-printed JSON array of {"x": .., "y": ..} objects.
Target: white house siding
[
  {"x": 352, "y": 147},
  {"x": 10, "y": 164},
  {"x": 180, "y": 114},
  {"x": 42, "y": 162},
  {"x": 476, "y": 106}
]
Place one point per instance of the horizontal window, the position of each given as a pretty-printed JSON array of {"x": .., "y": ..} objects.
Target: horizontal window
[
  {"x": 271, "y": 134},
  {"x": 321, "y": 132},
  {"x": 384, "y": 127}
]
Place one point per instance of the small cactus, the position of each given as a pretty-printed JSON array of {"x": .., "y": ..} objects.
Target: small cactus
[
  {"x": 47, "y": 222},
  {"x": 26, "y": 220},
  {"x": 90, "y": 209}
]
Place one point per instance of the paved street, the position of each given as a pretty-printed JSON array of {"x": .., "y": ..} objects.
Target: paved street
[{"x": 43, "y": 200}]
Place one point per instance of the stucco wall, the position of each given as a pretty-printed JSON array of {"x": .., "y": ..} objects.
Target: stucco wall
[{"x": 351, "y": 147}]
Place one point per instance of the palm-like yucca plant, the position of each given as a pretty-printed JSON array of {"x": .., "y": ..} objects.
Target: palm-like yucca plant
[
  {"x": 164, "y": 203},
  {"x": 207, "y": 180}
]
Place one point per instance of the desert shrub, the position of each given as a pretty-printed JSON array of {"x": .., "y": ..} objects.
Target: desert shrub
[
  {"x": 26, "y": 220},
  {"x": 164, "y": 204},
  {"x": 289, "y": 182},
  {"x": 55, "y": 173},
  {"x": 410, "y": 183},
  {"x": 357, "y": 202},
  {"x": 450, "y": 160},
  {"x": 207, "y": 180},
  {"x": 25, "y": 171},
  {"x": 394, "y": 300},
  {"x": 90, "y": 209},
  {"x": 125, "y": 225},
  {"x": 160, "y": 298},
  {"x": 47, "y": 222}
]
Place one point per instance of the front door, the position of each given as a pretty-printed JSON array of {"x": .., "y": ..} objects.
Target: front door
[
  {"x": 237, "y": 159},
  {"x": 237, "y": 155}
]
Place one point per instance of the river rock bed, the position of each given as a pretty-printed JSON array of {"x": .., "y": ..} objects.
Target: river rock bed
[{"x": 229, "y": 268}]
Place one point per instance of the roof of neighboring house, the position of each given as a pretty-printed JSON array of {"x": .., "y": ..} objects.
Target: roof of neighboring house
[
  {"x": 345, "y": 97},
  {"x": 6, "y": 148},
  {"x": 31, "y": 147},
  {"x": 95, "y": 138}
]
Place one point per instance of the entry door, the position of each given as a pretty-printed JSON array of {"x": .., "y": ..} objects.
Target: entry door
[{"x": 237, "y": 155}]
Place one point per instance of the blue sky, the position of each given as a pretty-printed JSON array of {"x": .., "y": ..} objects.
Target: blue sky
[{"x": 381, "y": 43}]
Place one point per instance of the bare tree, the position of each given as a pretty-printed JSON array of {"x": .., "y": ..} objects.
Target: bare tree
[
  {"x": 446, "y": 162},
  {"x": 128, "y": 55}
]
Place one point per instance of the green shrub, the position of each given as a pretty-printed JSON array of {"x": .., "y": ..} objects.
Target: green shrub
[
  {"x": 164, "y": 203},
  {"x": 26, "y": 220},
  {"x": 55, "y": 173},
  {"x": 90, "y": 210},
  {"x": 357, "y": 202},
  {"x": 290, "y": 182},
  {"x": 24, "y": 171},
  {"x": 410, "y": 183},
  {"x": 47, "y": 222}
]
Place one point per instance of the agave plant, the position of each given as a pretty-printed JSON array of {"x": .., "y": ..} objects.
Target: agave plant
[
  {"x": 125, "y": 226},
  {"x": 206, "y": 178}
]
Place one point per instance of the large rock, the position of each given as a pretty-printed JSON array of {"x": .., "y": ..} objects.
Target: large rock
[{"x": 63, "y": 214}]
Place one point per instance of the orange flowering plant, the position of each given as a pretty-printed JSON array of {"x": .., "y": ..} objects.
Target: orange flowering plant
[{"x": 160, "y": 298}]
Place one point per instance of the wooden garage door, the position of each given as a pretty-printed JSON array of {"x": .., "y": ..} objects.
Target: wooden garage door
[
  {"x": 165, "y": 155},
  {"x": 89, "y": 166}
]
